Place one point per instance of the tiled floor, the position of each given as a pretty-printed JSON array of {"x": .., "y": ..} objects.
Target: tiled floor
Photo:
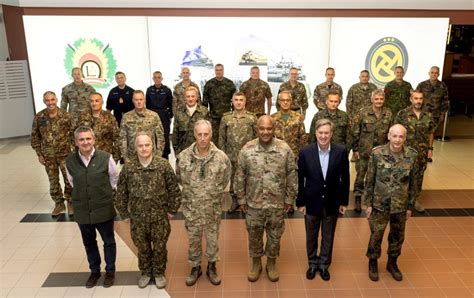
[{"x": 437, "y": 258}]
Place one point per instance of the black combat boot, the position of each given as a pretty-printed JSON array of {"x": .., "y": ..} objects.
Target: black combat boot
[
  {"x": 373, "y": 270},
  {"x": 358, "y": 204},
  {"x": 193, "y": 276},
  {"x": 393, "y": 268},
  {"x": 211, "y": 273},
  {"x": 235, "y": 205}
]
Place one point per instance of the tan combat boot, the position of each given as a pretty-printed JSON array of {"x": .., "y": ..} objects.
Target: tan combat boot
[
  {"x": 256, "y": 269},
  {"x": 58, "y": 209},
  {"x": 272, "y": 271},
  {"x": 211, "y": 273},
  {"x": 70, "y": 208},
  {"x": 193, "y": 276}
]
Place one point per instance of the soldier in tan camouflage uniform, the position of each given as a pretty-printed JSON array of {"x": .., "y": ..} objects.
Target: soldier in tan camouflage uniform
[
  {"x": 397, "y": 92},
  {"x": 179, "y": 99},
  {"x": 103, "y": 124},
  {"x": 51, "y": 138},
  {"x": 256, "y": 91},
  {"x": 266, "y": 186},
  {"x": 217, "y": 97},
  {"x": 236, "y": 129},
  {"x": 322, "y": 90},
  {"x": 298, "y": 93},
  {"x": 140, "y": 119},
  {"x": 204, "y": 173},
  {"x": 420, "y": 135},
  {"x": 184, "y": 120},
  {"x": 338, "y": 118},
  {"x": 148, "y": 194},
  {"x": 369, "y": 130},
  {"x": 390, "y": 195},
  {"x": 75, "y": 96}
]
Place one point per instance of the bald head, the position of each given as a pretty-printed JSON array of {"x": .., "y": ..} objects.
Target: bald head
[
  {"x": 265, "y": 129},
  {"x": 396, "y": 137}
]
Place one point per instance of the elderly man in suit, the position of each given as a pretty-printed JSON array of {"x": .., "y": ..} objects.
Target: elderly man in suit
[{"x": 323, "y": 193}]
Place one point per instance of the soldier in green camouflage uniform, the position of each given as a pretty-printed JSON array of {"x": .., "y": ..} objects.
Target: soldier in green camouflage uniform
[
  {"x": 322, "y": 90},
  {"x": 204, "y": 173},
  {"x": 103, "y": 124},
  {"x": 338, "y": 118},
  {"x": 140, "y": 119},
  {"x": 236, "y": 129},
  {"x": 298, "y": 93},
  {"x": 75, "y": 96},
  {"x": 359, "y": 95},
  {"x": 148, "y": 194},
  {"x": 397, "y": 92},
  {"x": 390, "y": 195},
  {"x": 420, "y": 130},
  {"x": 369, "y": 130},
  {"x": 179, "y": 100},
  {"x": 217, "y": 97},
  {"x": 184, "y": 120},
  {"x": 51, "y": 138},
  {"x": 266, "y": 186},
  {"x": 256, "y": 91}
]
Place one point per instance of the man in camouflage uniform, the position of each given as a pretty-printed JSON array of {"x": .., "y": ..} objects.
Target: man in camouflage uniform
[
  {"x": 75, "y": 96},
  {"x": 204, "y": 173},
  {"x": 435, "y": 97},
  {"x": 119, "y": 100},
  {"x": 184, "y": 120},
  {"x": 420, "y": 135},
  {"x": 140, "y": 119},
  {"x": 390, "y": 195},
  {"x": 148, "y": 194},
  {"x": 256, "y": 91},
  {"x": 397, "y": 92},
  {"x": 179, "y": 99},
  {"x": 298, "y": 93},
  {"x": 338, "y": 118},
  {"x": 236, "y": 129},
  {"x": 103, "y": 124},
  {"x": 369, "y": 130},
  {"x": 322, "y": 90},
  {"x": 217, "y": 97},
  {"x": 51, "y": 138},
  {"x": 266, "y": 186}
]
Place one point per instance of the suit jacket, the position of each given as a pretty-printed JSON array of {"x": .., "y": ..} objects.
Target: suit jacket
[{"x": 314, "y": 191}]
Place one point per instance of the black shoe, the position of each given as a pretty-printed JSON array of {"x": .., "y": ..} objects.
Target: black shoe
[
  {"x": 92, "y": 280},
  {"x": 324, "y": 274},
  {"x": 291, "y": 210},
  {"x": 430, "y": 159},
  {"x": 109, "y": 279},
  {"x": 373, "y": 270},
  {"x": 311, "y": 273},
  {"x": 393, "y": 269}
]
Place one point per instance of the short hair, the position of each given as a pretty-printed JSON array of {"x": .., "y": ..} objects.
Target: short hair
[
  {"x": 434, "y": 66},
  {"x": 191, "y": 88},
  {"x": 200, "y": 122},
  {"x": 219, "y": 64},
  {"x": 377, "y": 92},
  {"x": 294, "y": 68},
  {"x": 322, "y": 122},
  {"x": 120, "y": 73},
  {"x": 49, "y": 93},
  {"x": 255, "y": 67},
  {"x": 261, "y": 118},
  {"x": 366, "y": 71},
  {"x": 239, "y": 93},
  {"x": 399, "y": 67},
  {"x": 143, "y": 133},
  {"x": 157, "y": 72},
  {"x": 138, "y": 92},
  {"x": 419, "y": 91},
  {"x": 96, "y": 93},
  {"x": 185, "y": 67},
  {"x": 286, "y": 92},
  {"x": 83, "y": 128},
  {"x": 334, "y": 92},
  {"x": 74, "y": 68},
  {"x": 329, "y": 68}
]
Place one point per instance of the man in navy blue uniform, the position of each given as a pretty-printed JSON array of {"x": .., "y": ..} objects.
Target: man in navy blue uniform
[{"x": 120, "y": 97}]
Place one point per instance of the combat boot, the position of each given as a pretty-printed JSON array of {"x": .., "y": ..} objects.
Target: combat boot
[
  {"x": 234, "y": 206},
  {"x": 254, "y": 273},
  {"x": 160, "y": 281},
  {"x": 58, "y": 209},
  {"x": 358, "y": 204},
  {"x": 211, "y": 273},
  {"x": 272, "y": 270},
  {"x": 418, "y": 207},
  {"x": 393, "y": 268},
  {"x": 70, "y": 208},
  {"x": 193, "y": 276},
  {"x": 373, "y": 270}
]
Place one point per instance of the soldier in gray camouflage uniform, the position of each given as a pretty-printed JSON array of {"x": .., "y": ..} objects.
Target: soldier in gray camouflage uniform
[
  {"x": 179, "y": 100},
  {"x": 75, "y": 96},
  {"x": 51, "y": 138},
  {"x": 217, "y": 97},
  {"x": 390, "y": 195},
  {"x": 140, "y": 119},
  {"x": 204, "y": 173},
  {"x": 321, "y": 91},
  {"x": 236, "y": 129},
  {"x": 369, "y": 129},
  {"x": 256, "y": 91},
  {"x": 266, "y": 186},
  {"x": 298, "y": 93},
  {"x": 148, "y": 194}
]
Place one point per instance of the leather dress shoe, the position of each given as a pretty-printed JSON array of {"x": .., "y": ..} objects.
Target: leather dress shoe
[
  {"x": 109, "y": 279},
  {"x": 324, "y": 274},
  {"x": 311, "y": 273},
  {"x": 92, "y": 280}
]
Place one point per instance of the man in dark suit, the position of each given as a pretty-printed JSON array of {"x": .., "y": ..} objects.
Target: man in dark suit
[{"x": 323, "y": 193}]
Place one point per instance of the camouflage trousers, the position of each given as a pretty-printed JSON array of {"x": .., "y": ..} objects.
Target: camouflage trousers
[
  {"x": 150, "y": 237},
  {"x": 378, "y": 222},
  {"x": 215, "y": 123},
  {"x": 270, "y": 220},
  {"x": 52, "y": 166},
  {"x": 361, "y": 170},
  {"x": 195, "y": 233},
  {"x": 420, "y": 166},
  {"x": 232, "y": 175}
]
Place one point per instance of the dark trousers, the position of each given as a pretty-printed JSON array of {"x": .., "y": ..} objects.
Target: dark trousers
[
  {"x": 313, "y": 223},
  {"x": 106, "y": 231},
  {"x": 166, "y": 123}
]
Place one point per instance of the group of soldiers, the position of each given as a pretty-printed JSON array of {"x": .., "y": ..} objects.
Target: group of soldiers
[{"x": 225, "y": 136}]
